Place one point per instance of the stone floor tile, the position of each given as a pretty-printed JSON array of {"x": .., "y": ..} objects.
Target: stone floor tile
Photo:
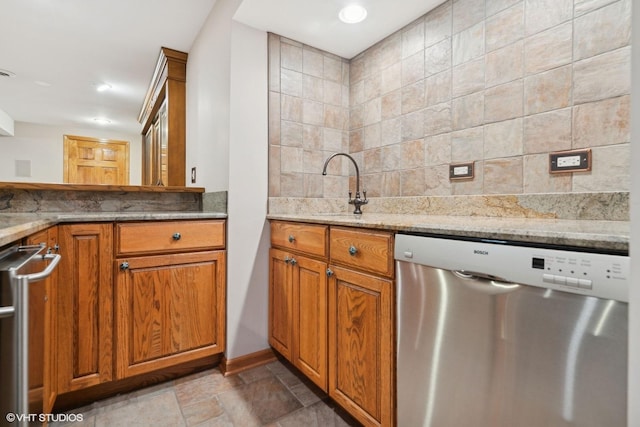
[
  {"x": 203, "y": 386},
  {"x": 157, "y": 410},
  {"x": 202, "y": 411}
]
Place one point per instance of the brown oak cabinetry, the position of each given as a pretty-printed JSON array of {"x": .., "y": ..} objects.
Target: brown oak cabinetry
[
  {"x": 169, "y": 293},
  {"x": 42, "y": 328},
  {"x": 345, "y": 314},
  {"x": 85, "y": 301},
  {"x": 298, "y": 297}
]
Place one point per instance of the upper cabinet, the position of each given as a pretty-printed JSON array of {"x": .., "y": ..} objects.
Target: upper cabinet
[{"x": 163, "y": 119}]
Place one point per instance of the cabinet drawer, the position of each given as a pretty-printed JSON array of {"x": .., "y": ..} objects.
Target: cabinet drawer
[
  {"x": 169, "y": 236},
  {"x": 307, "y": 238},
  {"x": 366, "y": 250}
]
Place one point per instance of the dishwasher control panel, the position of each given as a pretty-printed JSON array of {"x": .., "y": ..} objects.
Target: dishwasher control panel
[{"x": 595, "y": 274}]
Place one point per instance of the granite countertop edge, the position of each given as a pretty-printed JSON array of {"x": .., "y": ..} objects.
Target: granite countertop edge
[
  {"x": 589, "y": 234},
  {"x": 15, "y": 226}
]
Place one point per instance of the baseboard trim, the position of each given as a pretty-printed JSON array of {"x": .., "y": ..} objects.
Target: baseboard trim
[{"x": 246, "y": 362}]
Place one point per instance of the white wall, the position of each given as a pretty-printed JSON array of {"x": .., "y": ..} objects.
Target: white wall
[
  {"x": 43, "y": 146},
  {"x": 634, "y": 290},
  {"x": 248, "y": 245},
  {"x": 208, "y": 99},
  {"x": 227, "y": 142}
]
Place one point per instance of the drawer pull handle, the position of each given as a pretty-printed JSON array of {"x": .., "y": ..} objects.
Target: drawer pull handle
[
  {"x": 291, "y": 238},
  {"x": 329, "y": 272},
  {"x": 124, "y": 266},
  {"x": 353, "y": 250},
  {"x": 177, "y": 236}
]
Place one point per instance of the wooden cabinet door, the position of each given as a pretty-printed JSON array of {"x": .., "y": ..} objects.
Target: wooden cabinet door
[
  {"x": 169, "y": 310},
  {"x": 280, "y": 303},
  {"x": 42, "y": 328},
  {"x": 85, "y": 305},
  {"x": 361, "y": 330},
  {"x": 310, "y": 318}
]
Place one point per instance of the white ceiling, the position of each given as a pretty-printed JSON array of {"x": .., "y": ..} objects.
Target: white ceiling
[{"x": 70, "y": 45}]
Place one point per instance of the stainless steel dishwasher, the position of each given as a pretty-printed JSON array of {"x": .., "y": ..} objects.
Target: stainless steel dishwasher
[
  {"x": 494, "y": 333},
  {"x": 14, "y": 329}
]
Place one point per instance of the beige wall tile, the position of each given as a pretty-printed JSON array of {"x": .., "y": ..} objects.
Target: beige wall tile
[
  {"x": 468, "y": 111},
  {"x": 584, "y": 6},
  {"x": 274, "y": 62},
  {"x": 391, "y": 131},
  {"x": 547, "y": 132},
  {"x": 413, "y": 38},
  {"x": 356, "y": 140},
  {"x": 495, "y": 6},
  {"x": 437, "y": 88},
  {"x": 413, "y": 97},
  {"x": 390, "y": 184},
  {"x": 312, "y": 112},
  {"x": 503, "y": 139},
  {"x": 313, "y": 185},
  {"x": 504, "y": 65},
  {"x": 437, "y": 24},
  {"x": 372, "y": 184},
  {"x": 548, "y": 91},
  {"x": 468, "y": 44},
  {"x": 313, "y": 88},
  {"x": 549, "y": 49},
  {"x": 603, "y": 76},
  {"x": 504, "y": 102},
  {"x": 412, "y": 182},
  {"x": 373, "y": 61},
  {"x": 436, "y": 181},
  {"x": 335, "y": 186},
  {"x": 356, "y": 69},
  {"x": 467, "y": 145},
  {"x": 356, "y": 117},
  {"x": 372, "y": 162},
  {"x": 373, "y": 111},
  {"x": 372, "y": 136},
  {"x": 391, "y": 158},
  {"x": 292, "y": 184},
  {"x": 274, "y": 118},
  {"x": 291, "y": 134},
  {"x": 437, "y": 149},
  {"x": 505, "y": 27},
  {"x": 291, "y": 82},
  {"x": 537, "y": 178},
  {"x": 312, "y": 163},
  {"x": 312, "y": 62},
  {"x": 356, "y": 93},
  {"x": 274, "y": 171},
  {"x": 413, "y": 125},
  {"x": 291, "y": 57},
  {"x": 336, "y": 117},
  {"x": 391, "y": 78},
  {"x": 601, "y": 123},
  {"x": 291, "y": 159},
  {"x": 332, "y": 92},
  {"x": 473, "y": 186},
  {"x": 391, "y": 50},
  {"x": 610, "y": 170},
  {"x": 372, "y": 86},
  {"x": 291, "y": 108},
  {"x": 602, "y": 30},
  {"x": 412, "y": 154},
  {"x": 312, "y": 137},
  {"x": 413, "y": 68},
  {"x": 332, "y": 140},
  {"x": 437, "y": 58},
  {"x": 332, "y": 69},
  {"x": 437, "y": 119},
  {"x": 503, "y": 176},
  {"x": 543, "y": 14},
  {"x": 468, "y": 78},
  {"x": 391, "y": 105},
  {"x": 467, "y": 13}
]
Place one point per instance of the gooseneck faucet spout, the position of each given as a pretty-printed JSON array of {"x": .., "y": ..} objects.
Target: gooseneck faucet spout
[{"x": 357, "y": 202}]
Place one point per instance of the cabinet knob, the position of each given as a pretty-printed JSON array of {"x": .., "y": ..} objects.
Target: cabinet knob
[
  {"x": 293, "y": 261},
  {"x": 124, "y": 266},
  {"x": 353, "y": 250},
  {"x": 291, "y": 238},
  {"x": 329, "y": 272},
  {"x": 287, "y": 260},
  {"x": 177, "y": 236}
]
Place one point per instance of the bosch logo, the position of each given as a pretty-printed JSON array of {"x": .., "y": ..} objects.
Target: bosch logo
[{"x": 479, "y": 252}]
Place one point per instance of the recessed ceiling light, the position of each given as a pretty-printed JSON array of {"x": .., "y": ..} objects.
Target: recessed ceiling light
[
  {"x": 41, "y": 83},
  {"x": 102, "y": 121},
  {"x": 6, "y": 73},
  {"x": 101, "y": 87},
  {"x": 353, "y": 14}
]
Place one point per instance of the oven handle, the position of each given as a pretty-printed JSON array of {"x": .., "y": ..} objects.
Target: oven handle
[{"x": 10, "y": 310}]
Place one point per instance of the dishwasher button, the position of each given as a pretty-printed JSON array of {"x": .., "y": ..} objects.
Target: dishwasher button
[
  {"x": 408, "y": 254},
  {"x": 572, "y": 281},
  {"x": 548, "y": 278},
  {"x": 559, "y": 280},
  {"x": 585, "y": 284}
]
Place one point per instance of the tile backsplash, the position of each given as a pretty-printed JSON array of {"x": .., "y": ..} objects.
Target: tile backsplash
[{"x": 500, "y": 83}]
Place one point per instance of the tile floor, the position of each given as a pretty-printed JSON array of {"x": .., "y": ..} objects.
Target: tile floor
[{"x": 270, "y": 395}]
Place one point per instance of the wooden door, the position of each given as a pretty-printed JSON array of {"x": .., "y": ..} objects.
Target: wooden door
[
  {"x": 310, "y": 318},
  {"x": 169, "y": 310},
  {"x": 42, "y": 329},
  {"x": 85, "y": 305},
  {"x": 95, "y": 161},
  {"x": 361, "y": 330},
  {"x": 280, "y": 303}
]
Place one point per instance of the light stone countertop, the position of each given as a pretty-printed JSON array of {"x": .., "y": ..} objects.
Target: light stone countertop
[
  {"x": 15, "y": 226},
  {"x": 601, "y": 235}
]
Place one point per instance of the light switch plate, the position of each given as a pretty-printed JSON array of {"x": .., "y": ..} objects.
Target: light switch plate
[{"x": 570, "y": 161}]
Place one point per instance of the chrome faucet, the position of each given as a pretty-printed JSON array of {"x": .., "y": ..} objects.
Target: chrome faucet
[{"x": 357, "y": 202}]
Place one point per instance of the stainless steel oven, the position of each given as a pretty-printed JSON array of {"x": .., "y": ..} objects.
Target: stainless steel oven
[{"x": 14, "y": 328}]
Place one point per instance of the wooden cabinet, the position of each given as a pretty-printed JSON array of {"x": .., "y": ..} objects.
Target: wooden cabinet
[
  {"x": 169, "y": 293},
  {"x": 361, "y": 324},
  {"x": 344, "y": 313},
  {"x": 84, "y": 305},
  {"x": 163, "y": 119},
  {"x": 298, "y": 297},
  {"x": 42, "y": 328}
]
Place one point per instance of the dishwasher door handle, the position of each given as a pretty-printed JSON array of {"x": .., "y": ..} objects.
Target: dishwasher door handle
[
  {"x": 7, "y": 311},
  {"x": 34, "y": 277}
]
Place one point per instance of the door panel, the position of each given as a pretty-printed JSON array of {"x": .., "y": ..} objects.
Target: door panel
[{"x": 95, "y": 161}]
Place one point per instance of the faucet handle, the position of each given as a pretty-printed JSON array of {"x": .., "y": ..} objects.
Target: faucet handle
[{"x": 364, "y": 199}]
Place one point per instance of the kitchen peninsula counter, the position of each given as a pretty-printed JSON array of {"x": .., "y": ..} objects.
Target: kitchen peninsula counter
[
  {"x": 588, "y": 234},
  {"x": 15, "y": 226}
]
